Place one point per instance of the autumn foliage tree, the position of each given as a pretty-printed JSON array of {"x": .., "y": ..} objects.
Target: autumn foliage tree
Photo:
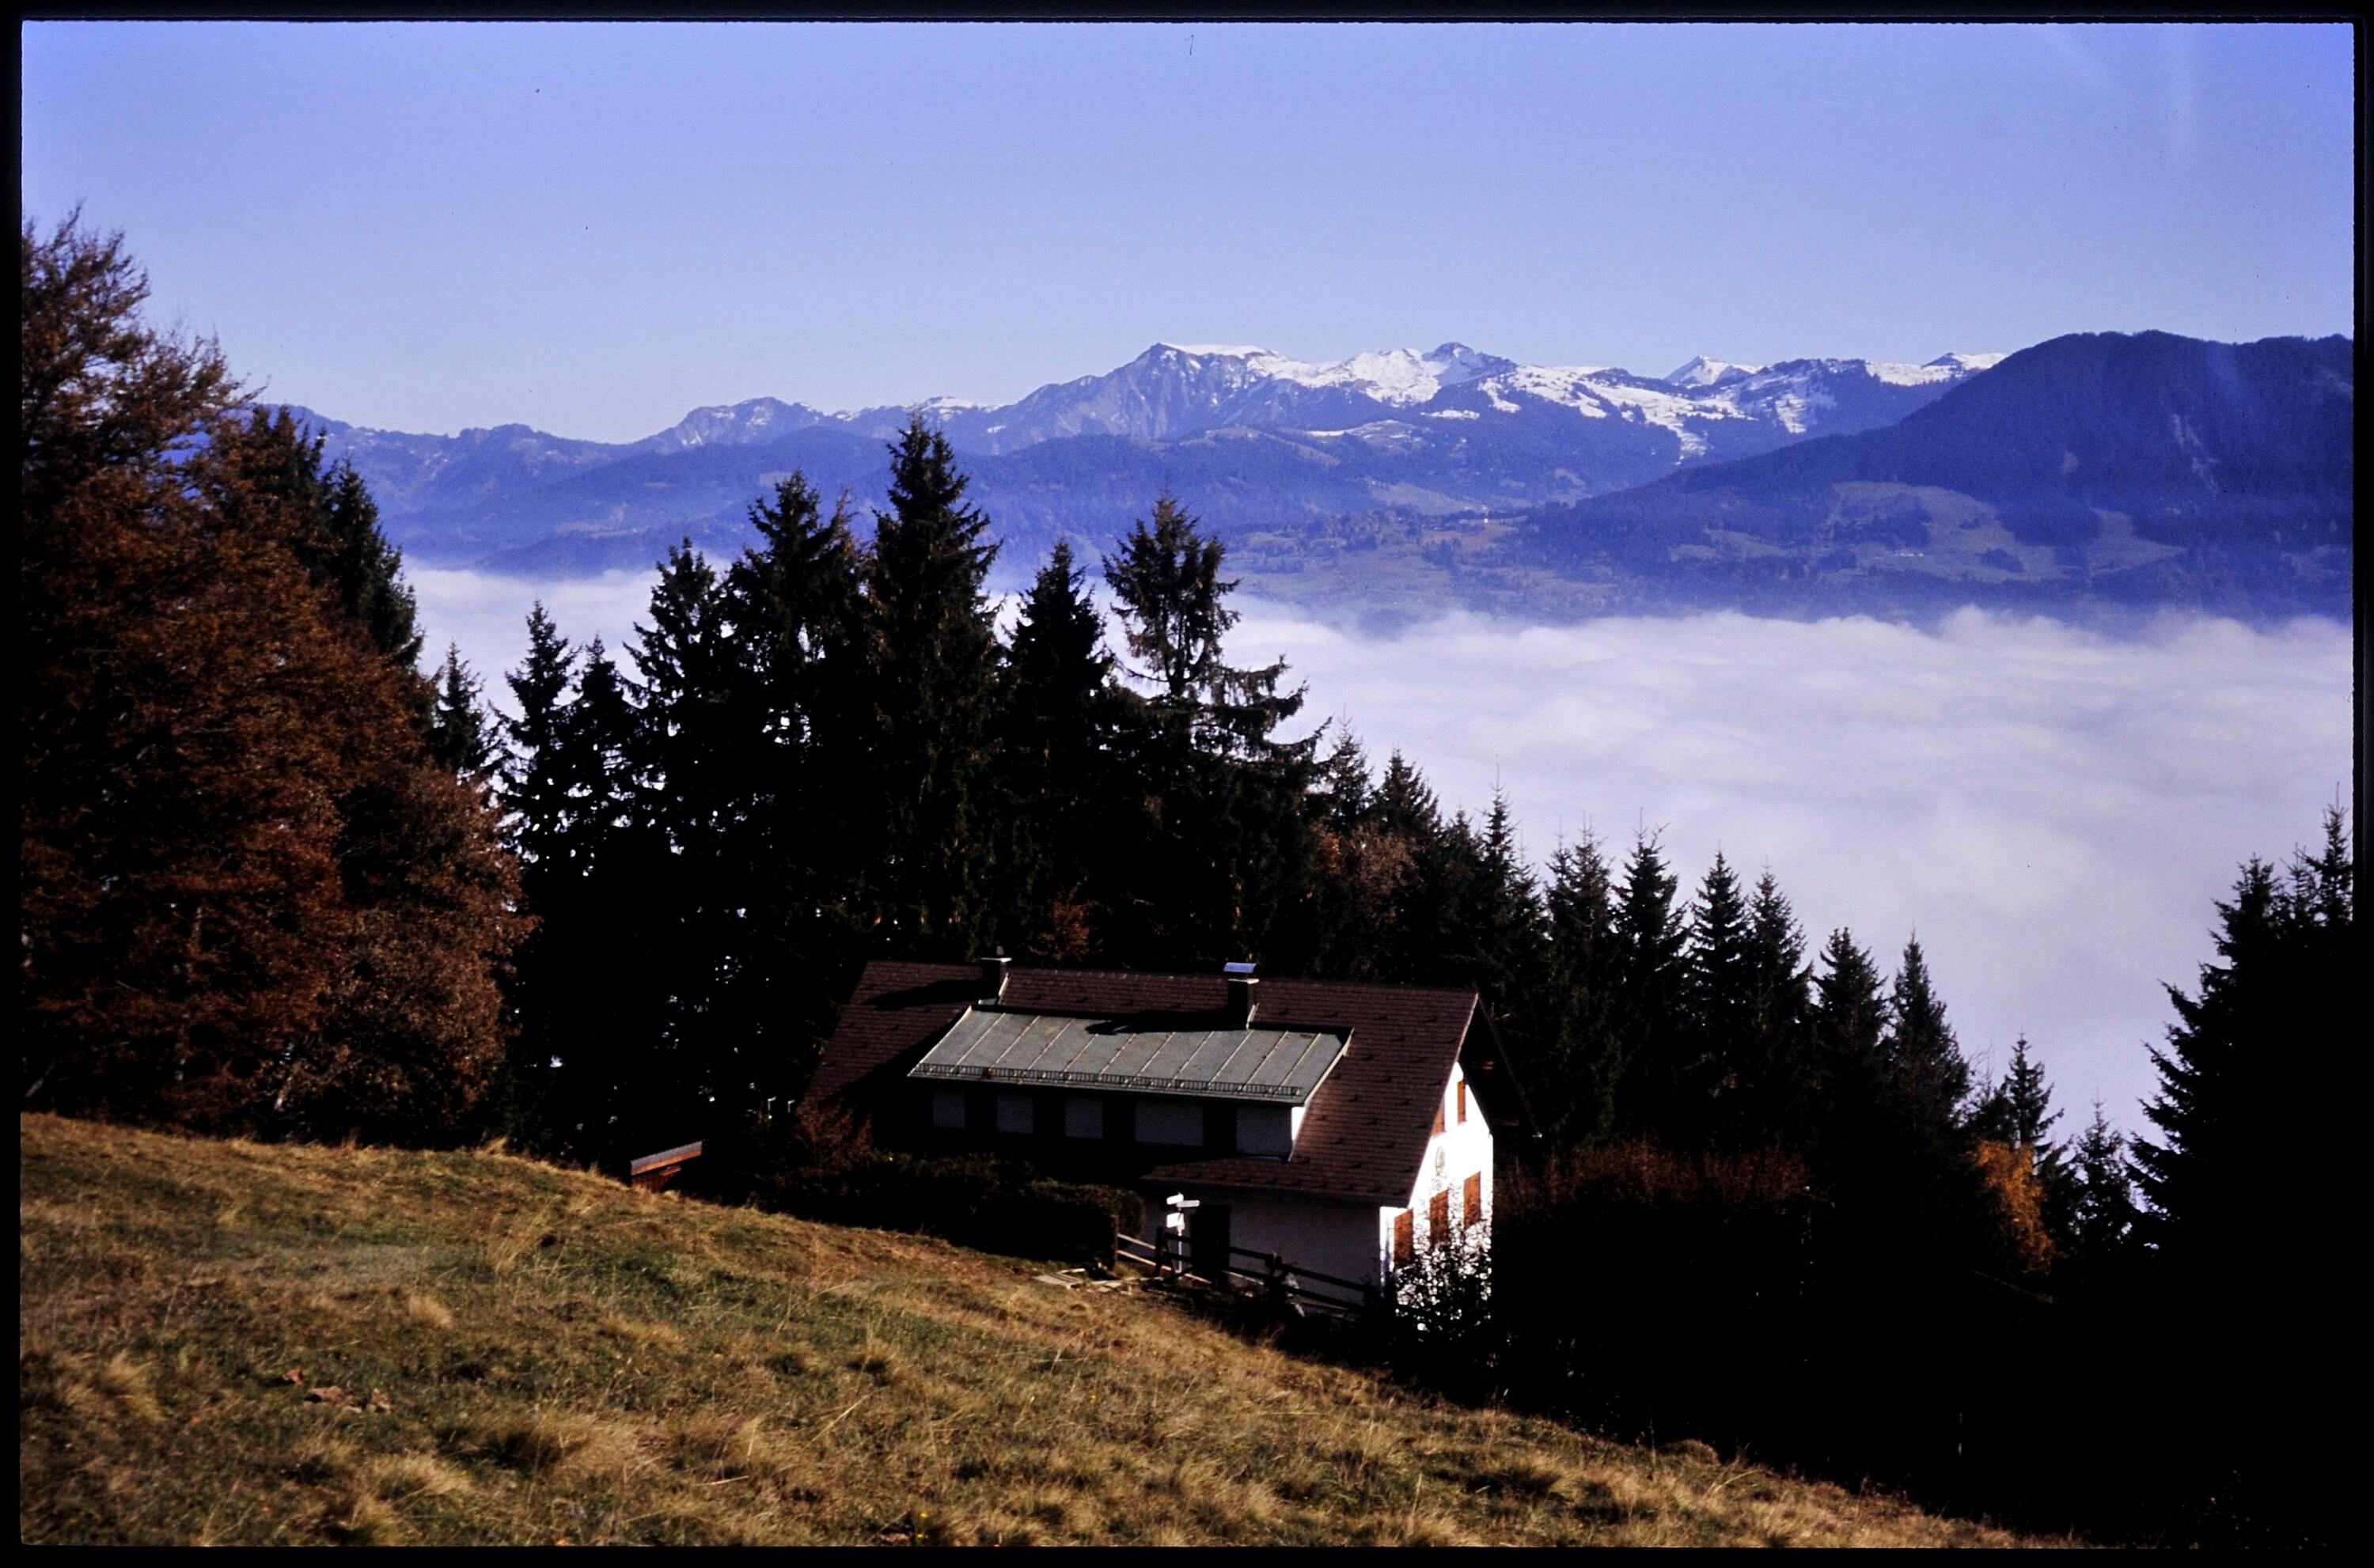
[{"x": 251, "y": 899}]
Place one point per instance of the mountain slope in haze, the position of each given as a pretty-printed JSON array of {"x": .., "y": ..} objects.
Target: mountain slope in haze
[
  {"x": 238, "y": 1342},
  {"x": 2131, "y": 469}
]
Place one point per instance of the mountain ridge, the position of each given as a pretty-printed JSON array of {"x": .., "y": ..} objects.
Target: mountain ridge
[{"x": 1321, "y": 475}]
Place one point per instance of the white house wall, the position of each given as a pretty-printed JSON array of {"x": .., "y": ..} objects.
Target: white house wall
[
  {"x": 1458, "y": 1151},
  {"x": 1357, "y": 1242}
]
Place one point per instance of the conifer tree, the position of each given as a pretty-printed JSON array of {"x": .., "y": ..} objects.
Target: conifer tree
[
  {"x": 1649, "y": 937},
  {"x": 1777, "y": 1068},
  {"x": 1926, "y": 1059},
  {"x": 1358, "y": 868},
  {"x": 798, "y": 744},
  {"x": 2017, "y": 1108},
  {"x": 1230, "y": 838},
  {"x": 1059, "y": 718},
  {"x": 1498, "y": 923},
  {"x": 1720, "y": 988},
  {"x": 693, "y": 893},
  {"x": 2103, "y": 1214},
  {"x": 2236, "y": 1183},
  {"x": 1406, "y": 804},
  {"x": 2017, "y": 1113},
  {"x": 536, "y": 792},
  {"x": 1584, "y": 1048},
  {"x": 462, "y": 735},
  {"x": 1347, "y": 792},
  {"x": 933, "y": 655},
  {"x": 595, "y": 999},
  {"x": 1850, "y": 1015}
]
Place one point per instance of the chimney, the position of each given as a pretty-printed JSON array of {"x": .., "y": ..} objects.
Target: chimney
[
  {"x": 1240, "y": 994},
  {"x": 992, "y": 978}
]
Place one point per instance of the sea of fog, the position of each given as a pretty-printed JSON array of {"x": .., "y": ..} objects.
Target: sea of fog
[{"x": 2053, "y": 811}]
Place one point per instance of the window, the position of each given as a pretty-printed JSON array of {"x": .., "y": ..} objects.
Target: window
[
  {"x": 1013, "y": 1111},
  {"x": 1462, "y": 1100},
  {"x": 1264, "y": 1129},
  {"x": 1471, "y": 1202},
  {"x": 1179, "y": 1123},
  {"x": 948, "y": 1107},
  {"x": 1405, "y": 1242},
  {"x": 1083, "y": 1116}
]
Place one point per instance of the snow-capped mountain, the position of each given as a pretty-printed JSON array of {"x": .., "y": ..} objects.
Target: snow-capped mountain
[{"x": 1444, "y": 432}]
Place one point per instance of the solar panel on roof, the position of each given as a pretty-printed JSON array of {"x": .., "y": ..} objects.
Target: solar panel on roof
[{"x": 1281, "y": 1066}]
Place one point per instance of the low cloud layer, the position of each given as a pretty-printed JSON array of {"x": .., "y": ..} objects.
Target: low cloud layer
[{"x": 2052, "y": 810}]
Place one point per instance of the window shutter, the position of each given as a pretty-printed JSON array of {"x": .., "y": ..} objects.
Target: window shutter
[
  {"x": 1404, "y": 1241},
  {"x": 1462, "y": 1100},
  {"x": 1471, "y": 1202},
  {"x": 1437, "y": 1218}
]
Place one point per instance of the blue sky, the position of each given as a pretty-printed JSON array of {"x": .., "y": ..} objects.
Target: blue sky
[{"x": 591, "y": 228}]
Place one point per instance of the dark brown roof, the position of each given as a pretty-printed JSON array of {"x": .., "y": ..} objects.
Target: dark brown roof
[{"x": 1363, "y": 1136}]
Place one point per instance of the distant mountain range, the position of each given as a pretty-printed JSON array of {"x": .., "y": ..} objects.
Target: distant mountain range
[
  {"x": 1402, "y": 473},
  {"x": 1252, "y": 439},
  {"x": 2135, "y": 470}
]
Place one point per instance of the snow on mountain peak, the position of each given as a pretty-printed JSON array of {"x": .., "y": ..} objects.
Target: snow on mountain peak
[
  {"x": 1970, "y": 363},
  {"x": 1705, "y": 372}
]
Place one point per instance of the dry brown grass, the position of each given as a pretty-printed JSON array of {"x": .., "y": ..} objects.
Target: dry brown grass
[
  {"x": 427, "y": 1310},
  {"x": 563, "y": 1359}
]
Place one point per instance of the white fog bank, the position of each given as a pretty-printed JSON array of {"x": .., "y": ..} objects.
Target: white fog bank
[{"x": 2052, "y": 810}]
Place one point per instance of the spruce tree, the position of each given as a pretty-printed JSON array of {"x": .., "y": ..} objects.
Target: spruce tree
[
  {"x": 462, "y": 735},
  {"x": 536, "y": 794},
  {"x": 2245, "y": 1217},
  {"x": 1582, "y": 1051},
  {"x": 1923, "y": 1055},
  {"x": 1057, "y": 754},
  {"x": 2103, "y": 1216},
  {"x": 693, "y": 893},
  {"x": 599, "y": 984},
  {"x": 1777, "y": 1068},
  {"x": 933, "y": 657},
  {"x": 1347, "y": 792},
  {"x": 1650, "y": 990},
  {"x": 798, "y": 741},
  {"x": 1850, "y": 1020},
  {"x": 1720, "y": 988},
  {"x": 1358, "y": 869},
  {"x": 1229, "y": 841},
  {"x": 1406, "y": 804},
  {"x": 2236, "y": 1184},
  {"x": 1497, "y": 935}
]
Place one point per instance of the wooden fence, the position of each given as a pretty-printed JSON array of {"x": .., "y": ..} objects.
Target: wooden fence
[{"x": 1275, "y": 1276}]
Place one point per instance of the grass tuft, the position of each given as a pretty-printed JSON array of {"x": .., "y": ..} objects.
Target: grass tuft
[
  {"x": 126, "y": 1383},
  {"x": 427, "y": 1310}
]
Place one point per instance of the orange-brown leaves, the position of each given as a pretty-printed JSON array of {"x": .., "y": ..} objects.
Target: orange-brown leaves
[{"x": 249, "y": 897}]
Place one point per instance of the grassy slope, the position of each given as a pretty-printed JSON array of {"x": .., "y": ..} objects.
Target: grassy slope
[{"x": 560, "y": 1358}]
